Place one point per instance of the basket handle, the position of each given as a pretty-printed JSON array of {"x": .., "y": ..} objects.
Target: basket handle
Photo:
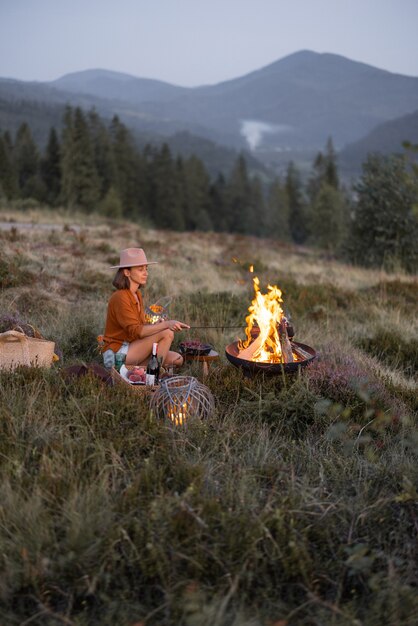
[
  {"x": 13, "y": 336},
  {"x": 36, "y": 332}
]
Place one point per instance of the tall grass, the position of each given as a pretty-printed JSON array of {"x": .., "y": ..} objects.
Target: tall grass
[{"x": 293, "y": 504}]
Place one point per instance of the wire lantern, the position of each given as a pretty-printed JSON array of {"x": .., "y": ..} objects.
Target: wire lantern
[{"x": 181, "y": 398}]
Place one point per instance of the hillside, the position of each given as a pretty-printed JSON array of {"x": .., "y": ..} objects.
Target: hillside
[
  {"x": 386, "y": 138},
  {"x": 304, "y": 98},
  {"x": 117, "y": 86},
  {"x": 293, "y": 502},
  {"x": 42, "y": 106},
  {"x": 286, "y": 110}
]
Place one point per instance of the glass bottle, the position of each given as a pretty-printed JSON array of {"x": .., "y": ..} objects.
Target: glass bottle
[
  {"x": 153, "y": 367},
  {"x": 119, "y": 360}
]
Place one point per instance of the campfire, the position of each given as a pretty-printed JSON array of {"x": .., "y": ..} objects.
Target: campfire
[{"x": 269, "y": 341}]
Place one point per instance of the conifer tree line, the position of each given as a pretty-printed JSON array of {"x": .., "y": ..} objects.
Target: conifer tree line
[{"x": 96, "y": 166}]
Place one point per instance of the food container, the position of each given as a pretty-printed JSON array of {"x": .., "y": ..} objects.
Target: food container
[{"x": 195, "y": 348}]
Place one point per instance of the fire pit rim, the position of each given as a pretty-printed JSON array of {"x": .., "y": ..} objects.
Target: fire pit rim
[{"x": 232, "y": 351}]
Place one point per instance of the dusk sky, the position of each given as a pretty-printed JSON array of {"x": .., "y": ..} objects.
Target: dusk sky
[{"x": 194, "y": 42}]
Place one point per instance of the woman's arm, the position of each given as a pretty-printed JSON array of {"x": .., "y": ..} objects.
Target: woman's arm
[{"x": 147, "y": 330}]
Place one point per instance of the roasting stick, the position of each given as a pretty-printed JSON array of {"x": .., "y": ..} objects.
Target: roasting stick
[{"x": 212, "y": 327}]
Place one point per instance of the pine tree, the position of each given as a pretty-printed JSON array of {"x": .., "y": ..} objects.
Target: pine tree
[
  {"x": 297, "y": 208},
  {"x": 327, "y": 221},
  {"x": 80, "y": 181},
  {"x": 238, "y": 199},
  {"x": 196, "y": 195},
  {"x": 26, "y": 163},
  {"x": 51, "y": 169},
  {"x": 325, "y": 172},
  {"x": 103, "y": 152},
  {"x": 168, "y": 211},
  {"x": 323, "y": 189},
  {"x": 384, "y": 231},
  {"x": 278, "y": 211},
  {"x": 129, "y": 170},
  {"x": 8, "y": 181},
  {"x": 111, "y": 205},
  {"x": 217, "y": 204},
  {"x": 257, "y": 222}
]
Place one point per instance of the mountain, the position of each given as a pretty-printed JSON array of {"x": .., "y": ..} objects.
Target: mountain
[
  {"x": 43, "y": 106},
  {"x": 295, "y": 103},
  {"x": 118, "y": 86},
  {"x": 147, "y": 124},
  {"x": 385, "y": 138},
  {"x": 298, "y": 101},
  {"x": 286, "y": 110}
]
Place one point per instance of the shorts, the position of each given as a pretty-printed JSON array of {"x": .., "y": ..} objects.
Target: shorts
[{"x": 109, "y": 355}]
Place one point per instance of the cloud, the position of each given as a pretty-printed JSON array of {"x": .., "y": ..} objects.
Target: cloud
[{"x": 254, "y": 130}]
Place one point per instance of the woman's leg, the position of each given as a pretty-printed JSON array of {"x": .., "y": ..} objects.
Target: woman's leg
[
  {"x": 140, "y": 350},
  {"x": 173, "y": 358}
]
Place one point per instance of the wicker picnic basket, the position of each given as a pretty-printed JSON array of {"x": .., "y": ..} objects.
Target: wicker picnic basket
[
  {"x": 117, "y": 378},
  {"x": 16, "y": 349}
]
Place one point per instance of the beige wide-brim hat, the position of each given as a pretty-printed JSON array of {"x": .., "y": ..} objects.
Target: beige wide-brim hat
[{"x": 132, "y": 257}]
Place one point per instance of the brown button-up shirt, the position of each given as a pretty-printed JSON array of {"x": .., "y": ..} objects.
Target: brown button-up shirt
[{"x": 124, "y": 320}]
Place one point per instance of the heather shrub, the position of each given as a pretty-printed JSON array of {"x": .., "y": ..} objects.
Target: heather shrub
[
  {"x": 126, "y": 512},
  {"x": 396, "y": 294},
  {"x": 392, "y": 348},
  {"x": 36, "y": 305},
  {"x": 310, "y": 300},
  {"x": 293, "y": 503},
  {"x": 13, "y": 272},
  {"x": 222, "y": 313},
  {"x": 344, "y": 379},
  {"x": 13, "y": 321},
  {"x": 76, "y": 331},
  {"x": 89, "y": 282}
]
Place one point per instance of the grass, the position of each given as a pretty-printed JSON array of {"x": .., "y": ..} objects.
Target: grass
[{"x": 293, "y": 504}]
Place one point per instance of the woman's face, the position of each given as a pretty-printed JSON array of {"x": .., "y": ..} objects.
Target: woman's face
[{"x": 138, "y": 274}]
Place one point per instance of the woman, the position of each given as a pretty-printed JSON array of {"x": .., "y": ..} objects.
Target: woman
[{"x": 126, "y": 331}]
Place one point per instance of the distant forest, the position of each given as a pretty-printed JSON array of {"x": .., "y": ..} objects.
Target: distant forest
[{"x": 95, "y": 166}]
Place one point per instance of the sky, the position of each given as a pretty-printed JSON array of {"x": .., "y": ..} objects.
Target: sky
[{"x": 196, "y": 42}]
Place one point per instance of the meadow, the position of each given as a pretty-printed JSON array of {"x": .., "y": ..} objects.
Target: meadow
[{"x": 295, "y": 503}]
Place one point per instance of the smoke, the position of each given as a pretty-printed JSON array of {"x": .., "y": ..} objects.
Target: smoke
[{"x": 254, "y": 130}]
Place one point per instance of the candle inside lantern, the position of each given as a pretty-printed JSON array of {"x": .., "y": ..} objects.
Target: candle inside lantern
[
  {"x": 178, "y": 414},
  {"x": 181, "y": 399}
]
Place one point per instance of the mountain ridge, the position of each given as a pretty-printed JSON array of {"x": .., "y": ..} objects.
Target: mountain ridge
[
  {"x": 108, "y": 83},
  {"x": 290, "y": 59},
  {"x": 292, "y": 105}
]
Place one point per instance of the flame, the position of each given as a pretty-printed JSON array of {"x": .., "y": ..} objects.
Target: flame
[
  {"x": 178, "y": 414},
  {"x": 266, "y": 313}
]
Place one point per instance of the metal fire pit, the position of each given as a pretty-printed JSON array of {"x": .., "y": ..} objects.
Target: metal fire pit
[{"x": 254, "y": 367}]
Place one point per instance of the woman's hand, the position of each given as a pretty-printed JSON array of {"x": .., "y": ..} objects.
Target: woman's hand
[{"x": 175, "y": 325}]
